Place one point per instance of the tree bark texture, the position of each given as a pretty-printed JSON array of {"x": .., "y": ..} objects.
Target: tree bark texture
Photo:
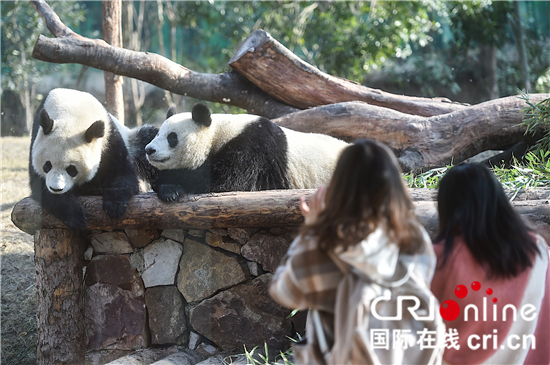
[
  {"x": 420, "y": 141},
  {"x": 279, "y": 72},
  {"x": 112, "y": 34},
  {"x": 60, "y": 308},
  {"x": 274, "y": 208}
]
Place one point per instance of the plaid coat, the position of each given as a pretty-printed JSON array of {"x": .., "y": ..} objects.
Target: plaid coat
[{"x": 338, "y": 288}]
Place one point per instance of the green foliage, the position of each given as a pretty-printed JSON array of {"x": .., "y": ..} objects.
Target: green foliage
[
  {"x": 427, "y": 180},
  {"x": 535, "y": 172},
  {"x": 263, "y": 359},
  {"x": 21, "y": 26},
  {"x": 537, "y": 119}
]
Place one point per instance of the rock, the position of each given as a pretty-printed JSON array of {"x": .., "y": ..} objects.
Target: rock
[
  {"x": 219, "y": 231},
  {"x": 224, "y": 359},
  {"x": 114, "y": 270},
  {"x": 101, "y": 357},
  {"x": 89, "y": 253},
  {"x": 248, "y": 308},
  {"x": 277, "y": 231},
  {"x": 144, "y": 356},
  {"x": 223, "y": 242},
  {"x": 194, "y": 340},
  {"x": 199, "y": 233},
  {"x": 115, "y": 318},
  {"x": 266, "y": 249},
  {"x": 114, "y": 242},
  {"x": 207, "y": 350},
  {"x": 241, "y": 235},
  {"x": 167, "y": 322},
  {"x": 142, "y": 237},
  {"x": 253, "y": 268},
  {"x": 183, "y": 357},
  {"x": 177, "y": 235},
  {"x": 204, "y": 271},
  {"x": 160, "y": 262}
]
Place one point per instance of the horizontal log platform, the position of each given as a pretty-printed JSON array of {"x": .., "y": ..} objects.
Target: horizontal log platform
[{"x": 274, "y": 208}]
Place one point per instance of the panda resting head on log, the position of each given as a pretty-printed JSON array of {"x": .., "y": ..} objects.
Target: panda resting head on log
[{"x": 200, "y": 152}]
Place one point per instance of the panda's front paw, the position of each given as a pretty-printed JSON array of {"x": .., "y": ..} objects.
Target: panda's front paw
[
  {"x": 170, "y": 192},
  {"x": 77, "y": 221},
  {"x": 114, "y": 208}
]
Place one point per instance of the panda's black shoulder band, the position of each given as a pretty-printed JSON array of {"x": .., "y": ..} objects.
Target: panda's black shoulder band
[{"x": 201, "y": 114}]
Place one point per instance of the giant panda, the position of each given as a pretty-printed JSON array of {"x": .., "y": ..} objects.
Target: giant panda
[
  {"x": 78, "y": 148},
  {"x": 200, "y": 152}
]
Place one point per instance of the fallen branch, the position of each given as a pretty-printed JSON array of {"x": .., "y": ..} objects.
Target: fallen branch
[
  {"x": 226, "y": 88},
  {"x": 420, "y": 141},
  {"x": 280, "y": 73}
]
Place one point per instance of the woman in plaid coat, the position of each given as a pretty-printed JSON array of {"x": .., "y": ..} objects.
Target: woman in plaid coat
[{"x": 360, "y": 249}]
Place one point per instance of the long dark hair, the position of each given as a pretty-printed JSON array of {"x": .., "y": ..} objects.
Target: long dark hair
[
  {"x": 472, "y": 204},
  {"x": 366, "y": 190}
]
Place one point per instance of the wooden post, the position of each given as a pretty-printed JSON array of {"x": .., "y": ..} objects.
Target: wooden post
[
  {"x": 112, "y": 34},
  {"x": 60, "y": 306}
]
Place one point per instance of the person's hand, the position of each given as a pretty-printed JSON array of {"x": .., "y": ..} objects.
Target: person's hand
[{"x": 316, "y": 205}]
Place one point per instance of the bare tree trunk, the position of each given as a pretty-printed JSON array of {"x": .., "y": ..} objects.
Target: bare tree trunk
[
  {"x": 26, "y": 97},
  {"x": 112, "y": 34},
  {"x": 489, "y": 55},
  {"x": 522, "y": 51},
  {"x": 59, "y": 257},
  {"x": 138, "y": 88}
]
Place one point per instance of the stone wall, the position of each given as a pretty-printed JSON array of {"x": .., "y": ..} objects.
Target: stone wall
[{"x": 190, "y": 288}]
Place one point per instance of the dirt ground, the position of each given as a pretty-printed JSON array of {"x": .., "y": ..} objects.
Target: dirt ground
[{"x": 17, "y": 286}]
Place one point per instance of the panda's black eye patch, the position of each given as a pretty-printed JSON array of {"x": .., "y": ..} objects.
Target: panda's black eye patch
[
  {"x": 172, "y": 139},
  {"x": 72, "y": 171},
  {"x": 47, "y": 167}
]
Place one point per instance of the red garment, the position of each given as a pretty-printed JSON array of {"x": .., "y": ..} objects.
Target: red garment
[{"x": 462, "y": 269}]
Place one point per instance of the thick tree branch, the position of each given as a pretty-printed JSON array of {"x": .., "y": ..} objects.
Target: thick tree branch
[
  {"x": 227, "y": 88},
  {"x": 420, "y": 141},
  {"x": 274, "y": 208},
  {"x": 53, "y": 23},
  {"x": 279, "y": 72}
]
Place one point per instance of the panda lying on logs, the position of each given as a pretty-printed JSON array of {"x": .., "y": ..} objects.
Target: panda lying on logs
[
  {"x": 78, "y": 148},
  {"x": 200, "y": 152}
]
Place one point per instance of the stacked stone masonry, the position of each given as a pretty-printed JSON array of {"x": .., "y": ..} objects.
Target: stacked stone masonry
[{"x": 196, "y": 289}]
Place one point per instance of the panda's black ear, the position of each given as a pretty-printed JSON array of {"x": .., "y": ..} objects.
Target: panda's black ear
[
  {"x": 201, "y": 114},
  {"x": 46, "y": 122},
  {"x": 171, "y": 111},
  {"x": 96, "y": 130}
]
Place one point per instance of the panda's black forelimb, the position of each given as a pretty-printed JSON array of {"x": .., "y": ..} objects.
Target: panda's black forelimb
[{"x": 116, "y": 175}]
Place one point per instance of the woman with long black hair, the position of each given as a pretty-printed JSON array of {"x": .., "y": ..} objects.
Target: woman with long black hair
[{"x": 492, "y": 275}]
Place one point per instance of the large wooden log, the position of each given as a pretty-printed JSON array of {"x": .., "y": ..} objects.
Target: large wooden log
[
  {"x": 275, "y": 208},
  {"x": 59, "y": 255},
  {"x": 279, "y": 72},
  {"x": 420, "y": 141},
  {"x": 226, "y": 88}
]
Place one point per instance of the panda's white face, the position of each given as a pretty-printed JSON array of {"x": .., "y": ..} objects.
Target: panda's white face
[
  {"x": 67, "y": 149},
  {"x": 185, "y": 140},
  {"x": 180, "y": 143}
]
